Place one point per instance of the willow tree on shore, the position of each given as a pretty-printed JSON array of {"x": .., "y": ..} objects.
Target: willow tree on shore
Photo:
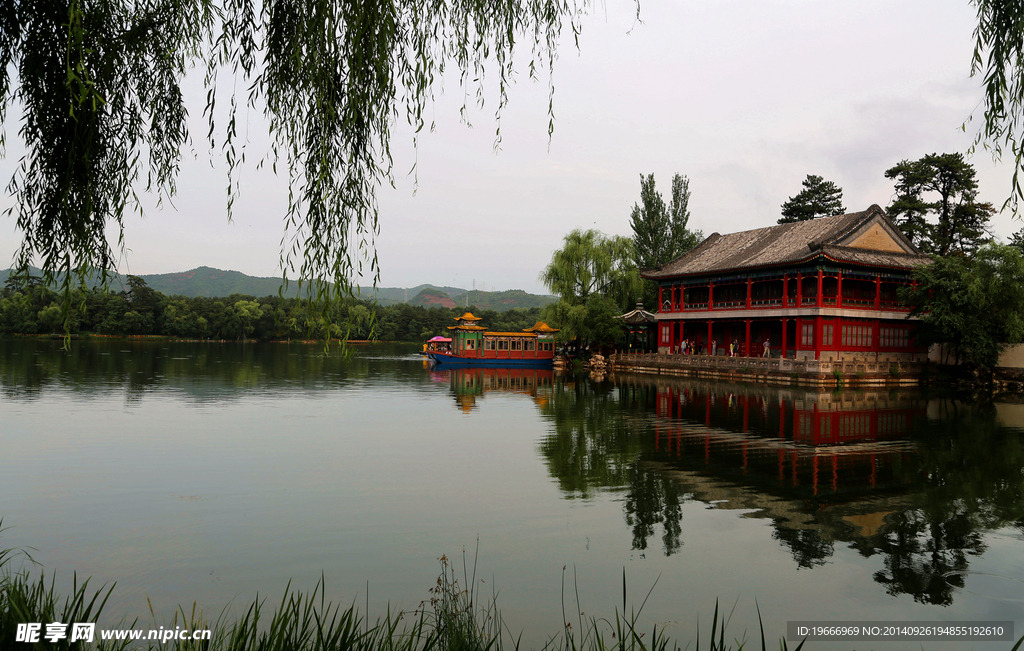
[
  {"x": 97, "y": 85},
  {"x": 596, "y": 279}
]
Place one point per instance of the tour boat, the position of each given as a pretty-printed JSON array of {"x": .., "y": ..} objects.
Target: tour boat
[
  {"x": 437, "y": 344},
  {"x": 474, "y": 345}
]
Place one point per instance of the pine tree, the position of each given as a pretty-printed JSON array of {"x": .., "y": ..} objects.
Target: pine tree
[
  {"x": 819, "y": 198},
  {"x": 960, "y": 222}
]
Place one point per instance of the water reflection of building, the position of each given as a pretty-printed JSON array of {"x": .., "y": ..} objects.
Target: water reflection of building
[
  {"x": 799, "y": 441},
  {"x": 911, "y": 482},
  {"x": 468, "y": 384},
  {"x": 823, "y": 467}
]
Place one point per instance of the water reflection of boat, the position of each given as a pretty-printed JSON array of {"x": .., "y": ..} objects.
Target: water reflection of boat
[
  {"x": 474, "y": 345},
  {"x": 470, "y": 383}
]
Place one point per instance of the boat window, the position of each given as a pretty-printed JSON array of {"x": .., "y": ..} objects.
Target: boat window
[
  {"x": 503, "y": 344},
  {"x": 488, "y": 344},
  {"x": 531, "y": 344},
  {"x": 517, "y": 344}
]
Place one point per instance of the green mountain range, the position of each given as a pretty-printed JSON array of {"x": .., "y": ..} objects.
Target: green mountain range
[{"x": 210, "y": 282}]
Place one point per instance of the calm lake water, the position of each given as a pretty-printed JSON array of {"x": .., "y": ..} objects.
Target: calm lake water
[{"x": 215, "y": 473}]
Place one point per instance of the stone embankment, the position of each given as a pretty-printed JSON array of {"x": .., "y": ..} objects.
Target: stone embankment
[{"x": 866, "y": 370}]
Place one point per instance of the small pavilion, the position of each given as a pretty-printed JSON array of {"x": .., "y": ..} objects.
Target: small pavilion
[{"x": 641, "y": 329}]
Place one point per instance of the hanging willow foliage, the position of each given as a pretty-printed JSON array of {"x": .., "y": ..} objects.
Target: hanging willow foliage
[
  {"x": 999, "y": 60},
  {"x": 97, "y": 83}
]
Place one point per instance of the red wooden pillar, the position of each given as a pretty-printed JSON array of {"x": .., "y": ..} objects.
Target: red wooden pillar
[
  {"x": 749, "y": 285},
  {"x": 799, "y": 289},
  {"x": 682, "y": 298},
  {"x": 820, "y": 285},
  {"x": 785, "y": 290},
  {"x": 876, "y": 340},
  {"x": 711, "y": 295},
  {"x": 799, "y": 334},
  {"x": 707, "y": 344},
  {"x": 661, "y": 297},
  {"x": 783, "y": 356},
  {"x": 746, "y": 341},
  {"x": 839, "y": 289},
  {"x": 817, "y": 337},
  {"x": 878, "y": 291}
]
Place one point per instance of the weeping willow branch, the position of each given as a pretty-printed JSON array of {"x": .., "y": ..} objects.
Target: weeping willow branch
[
  {"x": 98, "y": 86},
  {"x": 999, "y": 60}
]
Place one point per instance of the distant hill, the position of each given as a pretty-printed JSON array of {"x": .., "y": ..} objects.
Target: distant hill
[
  {"x": 392, "y": 295},
  {"x": 502, "y": 301},
  {"x": 429, "y": 297},
  {"x": 210, "y": 282}
]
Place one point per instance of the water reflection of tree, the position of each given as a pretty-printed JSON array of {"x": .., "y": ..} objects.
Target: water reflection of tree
[
  {"x": 653, "y": 499},
  {"x": 925, "y": 556},
  {"x": 598, "y": 437},
  {"x": 972, "y": 481},
  {"x": 201, "y": 370},
  {"x": 810, "y": 547}
]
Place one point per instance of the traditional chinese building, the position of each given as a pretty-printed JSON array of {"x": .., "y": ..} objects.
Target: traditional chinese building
[{"x": 816, "y": 289}]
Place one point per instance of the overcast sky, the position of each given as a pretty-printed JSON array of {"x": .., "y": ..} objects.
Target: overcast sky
[{"x": 746, "y": 97}]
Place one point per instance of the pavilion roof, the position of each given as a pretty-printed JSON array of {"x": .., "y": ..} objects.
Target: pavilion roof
[
  {"x": 637, "y": 316},
  {"x": 539, "y": 327},
  {"x": 863, "y": 238}
]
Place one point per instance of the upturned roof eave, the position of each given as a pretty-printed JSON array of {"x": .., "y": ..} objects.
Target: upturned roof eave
[
  {"x": 781, "y": 245},
  {"x": 775, "y": 265}
]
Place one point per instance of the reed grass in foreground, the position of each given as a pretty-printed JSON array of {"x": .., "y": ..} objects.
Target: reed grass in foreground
[{"x": 455, "y": 618}]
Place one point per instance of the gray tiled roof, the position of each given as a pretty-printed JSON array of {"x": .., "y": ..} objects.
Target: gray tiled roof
[
  {"x": 637, "y": 316},
  {"x": 791, "y": 243}
]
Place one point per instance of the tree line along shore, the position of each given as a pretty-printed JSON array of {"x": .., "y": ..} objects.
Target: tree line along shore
[{"x": 31, "y": 308}]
